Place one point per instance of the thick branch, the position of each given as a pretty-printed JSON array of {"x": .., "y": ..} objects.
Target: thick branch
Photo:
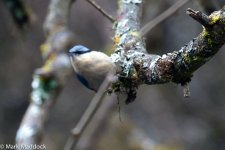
[
  {"x": 57, "y": 16},
  {"x": 137, "y": 67},
  {"x": 127, "y": 26},
  {"x": 129, "y": 47},
  {"x": 51, "y": 77},
  {"x": 179, "y": 66}
]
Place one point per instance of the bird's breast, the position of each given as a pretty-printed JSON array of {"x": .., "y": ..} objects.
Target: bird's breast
[{"x": 93, "y": 66}]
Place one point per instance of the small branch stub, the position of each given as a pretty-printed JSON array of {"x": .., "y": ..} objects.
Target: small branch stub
[
  {"x": 187, "y": 92},
  {"x": 199, "y": 17}
]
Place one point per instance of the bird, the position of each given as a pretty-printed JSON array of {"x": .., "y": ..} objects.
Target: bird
[{"x": 91, "y": 67}]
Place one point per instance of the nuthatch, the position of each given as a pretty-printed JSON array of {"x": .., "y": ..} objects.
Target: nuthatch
[{"x": 91, "y": 67}]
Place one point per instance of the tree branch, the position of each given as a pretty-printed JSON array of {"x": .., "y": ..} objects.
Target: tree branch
[
  {"x": 138, "y": 67},
  {"x": 102, "y": 11},
  {"x": 128, "y": 45},
  {"x": 89, "y": 113},
  {"x": 199, "y": 17},
  {"x": 51, "y": 77},
  {"x": 179, "y": 66}
]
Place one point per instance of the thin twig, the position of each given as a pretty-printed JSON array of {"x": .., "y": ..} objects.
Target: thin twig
[
  {"x": 102, "y": 11},
  {"x": 151, "y": 24},
  {"x": 88, "y": 114},
  {"x": 101, "y": 117}
]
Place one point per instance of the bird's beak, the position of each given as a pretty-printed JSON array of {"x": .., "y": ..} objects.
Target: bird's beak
[{"x": 72, "y": 62}]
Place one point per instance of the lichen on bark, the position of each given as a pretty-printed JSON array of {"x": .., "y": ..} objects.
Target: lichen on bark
[{"x": 136, "y": 67}]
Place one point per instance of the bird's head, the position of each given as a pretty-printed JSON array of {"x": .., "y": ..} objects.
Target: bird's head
[{"x": 78, "y": 50}]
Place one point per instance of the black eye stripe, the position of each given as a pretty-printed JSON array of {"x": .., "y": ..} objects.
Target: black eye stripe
[{"x": 78, "y": 52}]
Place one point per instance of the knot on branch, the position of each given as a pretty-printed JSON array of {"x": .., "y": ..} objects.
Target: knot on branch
[
  {"x": 128, "y": 77},
  {"x": 134, "y": 67}
]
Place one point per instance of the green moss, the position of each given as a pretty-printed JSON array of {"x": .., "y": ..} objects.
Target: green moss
[
  {"x": 206, "y": 36},
  {"x": 214, "y": 18},
  {"x": 205, "y": 33},
  {"x": 48, "y": 84},
  {"x": 42, "y": 87},
  {"x": 189, "y": 59}
]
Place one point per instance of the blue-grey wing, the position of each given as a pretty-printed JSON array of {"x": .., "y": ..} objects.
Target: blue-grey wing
[{"x": 84, "y": 81}]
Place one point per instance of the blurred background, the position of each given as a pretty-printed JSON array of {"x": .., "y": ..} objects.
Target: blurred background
[{"x": 159, "y": 119}]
